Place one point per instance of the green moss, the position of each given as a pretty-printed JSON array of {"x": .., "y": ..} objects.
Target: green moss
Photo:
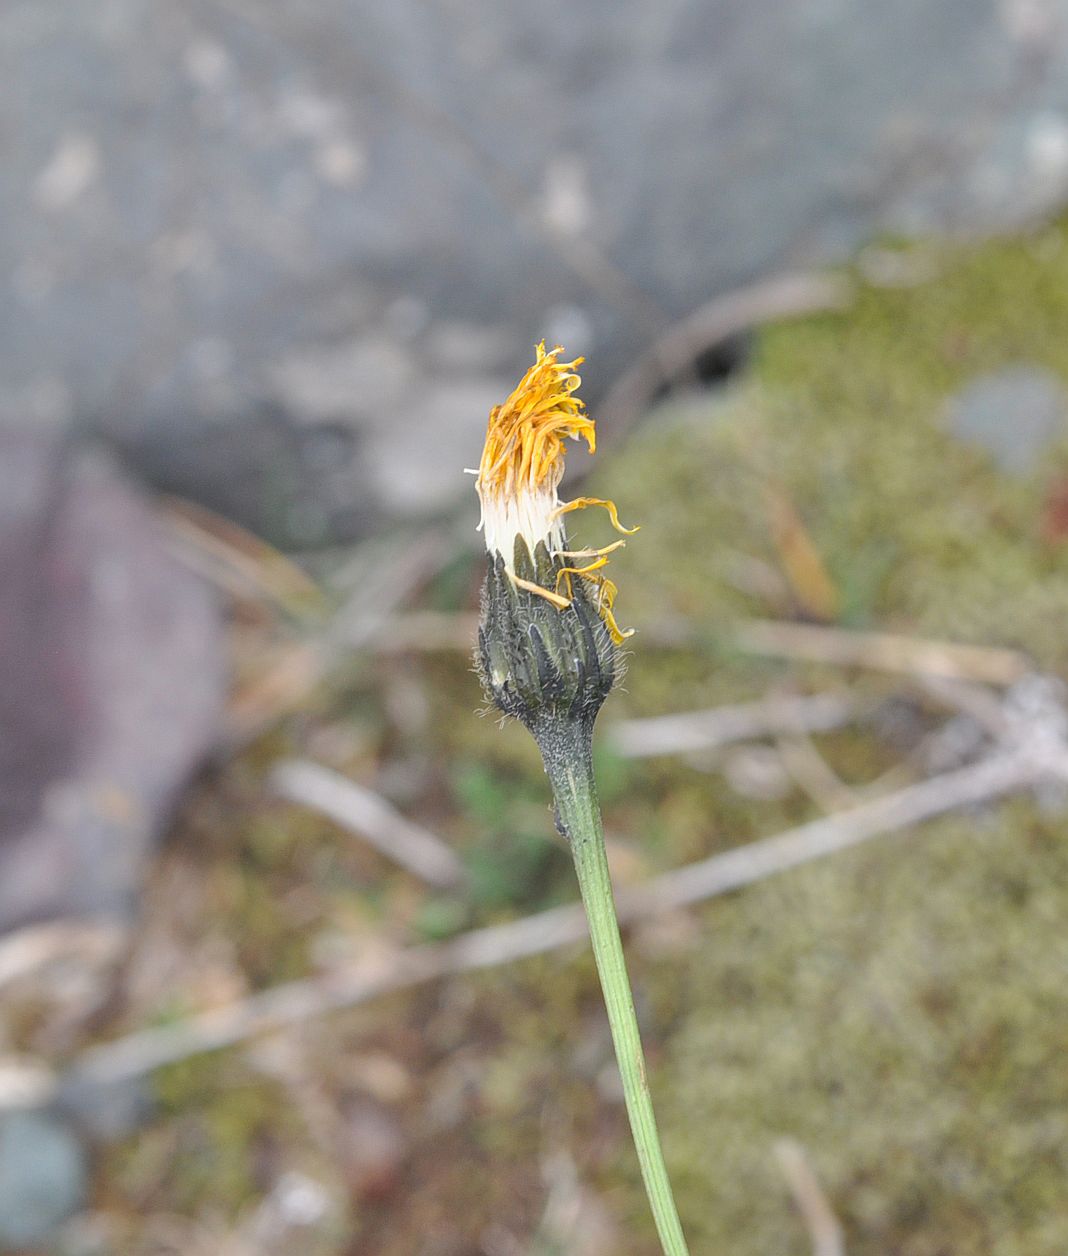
[
  {"x": 900, "y": 1009},
  {"x": 215, "y": 1125},
  {"x": 847, "y": 411}
]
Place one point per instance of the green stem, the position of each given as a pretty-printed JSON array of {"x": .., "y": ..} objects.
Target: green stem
[{"x": 570, "y": 772}]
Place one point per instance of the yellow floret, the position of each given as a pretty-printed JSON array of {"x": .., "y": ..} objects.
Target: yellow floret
[{"x": 520, "y": 471}]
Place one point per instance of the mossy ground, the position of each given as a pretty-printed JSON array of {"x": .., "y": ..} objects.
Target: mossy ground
[{"x": 902, "y": 1010}]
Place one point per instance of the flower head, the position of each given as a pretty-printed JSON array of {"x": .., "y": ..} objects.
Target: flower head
[{"x": 518, "y": 481}]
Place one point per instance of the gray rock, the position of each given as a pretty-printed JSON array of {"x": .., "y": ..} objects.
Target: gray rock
[
  {"x": 1014, "y": 414},
  {"x": 42, "y": 1178},
  {"x": 111, "y": 681},
  {"x": 282, "y": 255},
  {"x": 105, "y": 1111}
]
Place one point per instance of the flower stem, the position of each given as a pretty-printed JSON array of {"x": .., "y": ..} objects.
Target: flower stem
[{"x": 570, "y": 771}]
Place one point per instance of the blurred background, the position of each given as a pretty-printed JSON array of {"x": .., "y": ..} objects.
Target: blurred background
[{"x": 288, "y": 954}]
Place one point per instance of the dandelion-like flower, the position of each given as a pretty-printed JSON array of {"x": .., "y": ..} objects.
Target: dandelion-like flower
[
  {"x": 519, "y": 478},
  {"x": 548, "y": 638},
  {"x": 548, "y": 653}
]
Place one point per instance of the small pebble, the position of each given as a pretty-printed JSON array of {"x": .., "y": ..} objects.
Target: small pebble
[
  {"x": 1014, "y": 414},
  {"x": 42, "y": 1177}
]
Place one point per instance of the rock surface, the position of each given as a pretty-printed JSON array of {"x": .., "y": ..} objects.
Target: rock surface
[
  {"x": 1015, "y": 415},
  {"x": 111, "y": 681},
  {"x": 42, "y": 1178},
  {"x": 286, "y": 256}
]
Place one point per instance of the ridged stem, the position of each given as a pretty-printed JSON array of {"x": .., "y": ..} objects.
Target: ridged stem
[{"x": 568, "y": 762}]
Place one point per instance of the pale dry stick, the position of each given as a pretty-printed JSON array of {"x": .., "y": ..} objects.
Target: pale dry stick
[
  {"x": 663, "y": 734},
  {"x": 966, "y": 698},
  {"x": 144, "y": 1050},
  {"x": 881, "y": 651},
  {"x": 945, "y": 670},
  {"x": 33, "y": 948},
  {"x": 428, "y": 631},
  {"x": 990, "y": 778},
  {"x": 972, "y": 700},
  {"x": 572, "y": 1220},
  {"x": 236, "y": 560},
  {"x": 718, "y": 726},
  {"x": 25, "y": 1083},
  {"x": 372, "y": 600},
  {"x": 813, "y": 774},
  {"x": 841, "y": 647},
  {"x": 824, "y": 1228},
  {"x": 673, "y": 354},
  {"x": 358, "y": 621},
  {"x": 231, "y": 579},
  {"x": 371, "y": 817}
]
